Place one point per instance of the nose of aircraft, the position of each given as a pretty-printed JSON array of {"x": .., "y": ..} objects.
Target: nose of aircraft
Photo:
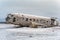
[{"x": 7, "y": 18}]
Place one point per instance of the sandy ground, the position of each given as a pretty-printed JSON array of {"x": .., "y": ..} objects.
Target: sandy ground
[{"x": 9, "y": 32}]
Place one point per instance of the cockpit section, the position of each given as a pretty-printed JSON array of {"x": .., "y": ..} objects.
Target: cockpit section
[{"x": 9, "y": 17}]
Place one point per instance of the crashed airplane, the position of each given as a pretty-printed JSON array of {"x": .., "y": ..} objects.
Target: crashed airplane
[{"x": 28, "y": 20}]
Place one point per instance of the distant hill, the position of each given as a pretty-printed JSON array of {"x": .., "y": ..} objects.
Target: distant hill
[{"x": 2, "y": 20}]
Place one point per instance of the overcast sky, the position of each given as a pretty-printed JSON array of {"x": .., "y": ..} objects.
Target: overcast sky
[{"x": 50, "y": 8}]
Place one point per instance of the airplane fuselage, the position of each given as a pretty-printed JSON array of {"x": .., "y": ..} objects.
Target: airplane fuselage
[{"x": 30, "y": 20}]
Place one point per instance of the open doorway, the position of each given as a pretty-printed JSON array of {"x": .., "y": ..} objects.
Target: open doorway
[{"x": 52, "y": 21}]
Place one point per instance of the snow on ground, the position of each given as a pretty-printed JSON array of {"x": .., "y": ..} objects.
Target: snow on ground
[
  {"x": 3, "y": 26},
  {"x": 8, "y": 32}
]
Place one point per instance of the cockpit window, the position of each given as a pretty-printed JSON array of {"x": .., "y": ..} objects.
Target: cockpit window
[
  {"x": 10, "y": 15},
  {"x": 7, "y": 18},
  {"x": 14, "y": 19}
]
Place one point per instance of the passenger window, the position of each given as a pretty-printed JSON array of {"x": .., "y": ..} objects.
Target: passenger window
[
  {"x": 47, "y": 21},
  {"x": 33, "y": 19},
  {"x": 26, "y": 19},
  {"x": 30, "y": 19},
  {"x": 14, "y": 19},
  {"x": 23, "y": 18},
  {"x": 37, "y": 20}
]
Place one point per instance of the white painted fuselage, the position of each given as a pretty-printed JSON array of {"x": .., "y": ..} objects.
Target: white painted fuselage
[{"x": 30, "y": 20}]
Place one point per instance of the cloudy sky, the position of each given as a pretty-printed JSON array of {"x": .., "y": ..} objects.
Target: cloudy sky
[{"x": 49, "y": 8}]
